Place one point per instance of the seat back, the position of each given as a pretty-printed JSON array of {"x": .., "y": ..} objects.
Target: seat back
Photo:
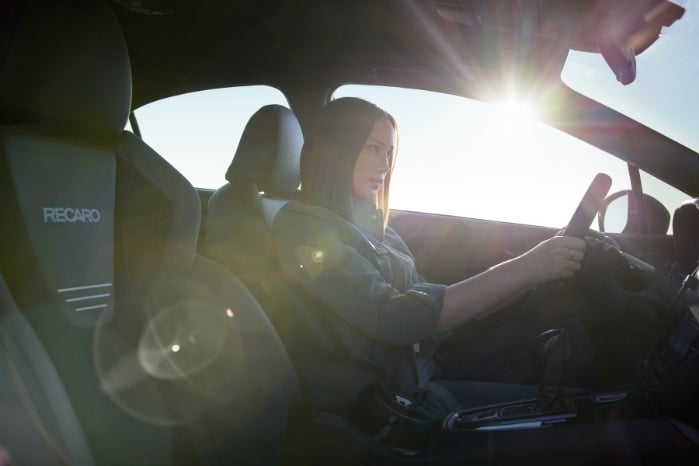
[{"x": 164, "y": 357}]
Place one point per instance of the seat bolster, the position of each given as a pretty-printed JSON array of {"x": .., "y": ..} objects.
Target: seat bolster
[
  {"x": 221, "y": 213},
  {"x": 181, "y": 198},
  {"x": 45, "y": 404},
  {"x": 261, "y": 387},
  {"x": 229, "y": 289},
  {"x": 236, "y": 234}
]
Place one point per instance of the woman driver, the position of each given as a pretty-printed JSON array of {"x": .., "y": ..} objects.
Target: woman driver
[{"x": 335, "y": 248}]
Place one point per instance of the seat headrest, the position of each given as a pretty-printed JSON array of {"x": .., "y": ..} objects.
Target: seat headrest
[
  {"x": 64, "y": 74},
  {"x": 269, "y": 151},
  {"x": 685, "y": 228}
]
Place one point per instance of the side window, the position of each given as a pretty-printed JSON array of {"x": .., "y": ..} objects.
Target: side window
[
  {"x": 668, "y": 195},
  {"x": 198, "y": 133},
  {"x": 462, "y": 157}
]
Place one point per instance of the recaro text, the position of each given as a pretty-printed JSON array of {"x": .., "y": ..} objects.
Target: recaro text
[{"x": 71, "y": 215}]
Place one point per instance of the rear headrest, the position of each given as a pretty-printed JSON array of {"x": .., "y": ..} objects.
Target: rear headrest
[
  {"x": 65, "y": 74},
  {"x": 269, "y": 152}
]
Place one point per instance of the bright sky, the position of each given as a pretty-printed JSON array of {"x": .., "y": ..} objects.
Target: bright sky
[
  {"x": 665, "y": 94},
  {"x": 467, "y": 158},
  {"x": 463, "y": 157}
]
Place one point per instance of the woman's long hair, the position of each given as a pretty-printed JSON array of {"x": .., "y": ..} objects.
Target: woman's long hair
[{"x": 332, "y": 145}]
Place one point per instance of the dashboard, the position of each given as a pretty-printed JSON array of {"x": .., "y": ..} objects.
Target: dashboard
[{"x": 670, "y": 371}]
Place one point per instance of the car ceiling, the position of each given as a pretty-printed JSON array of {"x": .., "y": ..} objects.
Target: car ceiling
[
  {"x": 474, "y": 48},
  {"x": 445, "y": 45}
]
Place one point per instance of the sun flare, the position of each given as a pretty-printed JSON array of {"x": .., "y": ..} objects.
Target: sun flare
[{"x": 520, "y": 111}]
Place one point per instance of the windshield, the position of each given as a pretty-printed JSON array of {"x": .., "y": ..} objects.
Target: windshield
[{"x": 665, "y": 94}]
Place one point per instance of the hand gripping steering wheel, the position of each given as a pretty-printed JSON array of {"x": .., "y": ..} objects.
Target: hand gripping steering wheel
[{"x": 578, "y": 227}]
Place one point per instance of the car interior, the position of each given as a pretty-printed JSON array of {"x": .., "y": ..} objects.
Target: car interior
[{"x": 143, "y": 320}]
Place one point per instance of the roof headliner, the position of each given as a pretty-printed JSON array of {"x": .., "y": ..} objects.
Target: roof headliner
[{"x": 210, "y": 43}]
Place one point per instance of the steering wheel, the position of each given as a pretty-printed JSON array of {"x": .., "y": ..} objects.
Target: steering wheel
[
  {"x": 589, "y": 206},
  {"x": 578, "y": 227},
  {"x": 565, "y": 304}
]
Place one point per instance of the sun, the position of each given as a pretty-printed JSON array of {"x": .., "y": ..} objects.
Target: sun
[
  {"x": 510, "y": 126},
  {"x": 516, "y": 110}
]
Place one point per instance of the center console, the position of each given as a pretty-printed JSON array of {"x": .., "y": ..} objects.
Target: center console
[
  {"x": 653, "y": 422},
  {"x": 657, "y": 419}
]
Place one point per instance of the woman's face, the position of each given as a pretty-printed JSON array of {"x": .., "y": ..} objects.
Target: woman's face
[{"x": 373, "y": 163}]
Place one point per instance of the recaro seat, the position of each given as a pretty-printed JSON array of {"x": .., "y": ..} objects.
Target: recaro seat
[{"x": 164, "y": 356}]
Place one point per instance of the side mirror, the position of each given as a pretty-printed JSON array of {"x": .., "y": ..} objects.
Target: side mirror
[{"x": 620, "y": 214}]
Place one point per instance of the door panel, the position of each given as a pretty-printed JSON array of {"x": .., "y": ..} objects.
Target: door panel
[{"x": 448, "y": 249}]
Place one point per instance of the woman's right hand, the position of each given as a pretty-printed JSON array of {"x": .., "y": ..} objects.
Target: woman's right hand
[{"x": 555, "y": 258}]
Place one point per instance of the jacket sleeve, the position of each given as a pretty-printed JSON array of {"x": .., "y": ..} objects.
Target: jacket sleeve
[{"x": 314, "y": 256}]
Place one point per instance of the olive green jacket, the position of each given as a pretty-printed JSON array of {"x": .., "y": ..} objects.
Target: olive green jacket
[{"x": 367, "y": 294}]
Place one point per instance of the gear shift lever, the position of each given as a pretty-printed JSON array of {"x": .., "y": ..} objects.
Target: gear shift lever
[{"x": 544, "y": 346}]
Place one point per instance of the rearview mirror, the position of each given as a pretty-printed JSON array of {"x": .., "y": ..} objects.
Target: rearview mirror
[
  {"x": 620, "y": 58},
  {"x": 630, "y": 29}
]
